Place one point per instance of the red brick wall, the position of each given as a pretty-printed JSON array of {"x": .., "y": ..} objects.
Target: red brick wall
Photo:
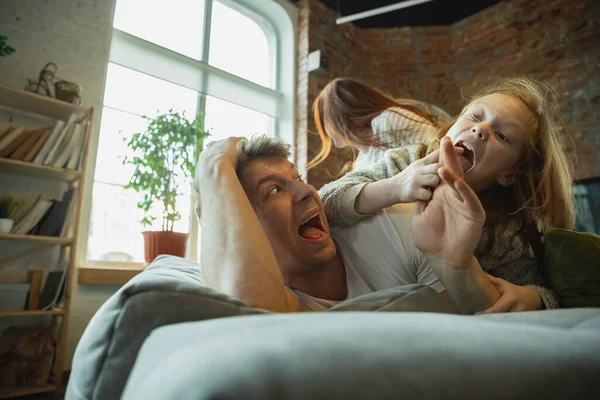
[{"x": 555, "y": 40}]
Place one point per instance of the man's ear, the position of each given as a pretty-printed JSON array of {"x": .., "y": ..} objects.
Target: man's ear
[{"x": 507, "y": 178}]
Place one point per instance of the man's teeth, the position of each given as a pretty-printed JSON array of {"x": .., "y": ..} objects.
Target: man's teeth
[
  {"x": 467, "y": 146},
  {"x": 309, "y": 218}
]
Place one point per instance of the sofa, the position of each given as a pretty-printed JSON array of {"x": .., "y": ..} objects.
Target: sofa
[{"x": 164, "y": 335}]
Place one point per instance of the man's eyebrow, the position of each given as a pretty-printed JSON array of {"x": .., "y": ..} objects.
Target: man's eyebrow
[{"x": 265, "y": 178}]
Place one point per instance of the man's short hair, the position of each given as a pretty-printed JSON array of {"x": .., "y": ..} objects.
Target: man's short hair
[{"x": 259, "y": 146}]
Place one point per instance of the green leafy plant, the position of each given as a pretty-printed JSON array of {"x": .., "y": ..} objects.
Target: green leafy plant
[
  {"x": 8, "y": 205},
  {"x": 165, "y": 152},
  {"x": 5, "y": 49}
]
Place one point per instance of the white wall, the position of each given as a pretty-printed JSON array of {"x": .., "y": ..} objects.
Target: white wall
[{"x": 75, "y": 35}]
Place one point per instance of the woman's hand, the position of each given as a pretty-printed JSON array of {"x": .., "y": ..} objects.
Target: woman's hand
[
  {"x": 514, "y": 297},
  {"x": 448, "y": 227}
]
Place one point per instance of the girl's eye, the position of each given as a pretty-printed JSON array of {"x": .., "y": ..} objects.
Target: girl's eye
[
  {"x": 474, "y": 117},
  {"x": 501, "y": 137},
  {"x": 274, "y": 190}
]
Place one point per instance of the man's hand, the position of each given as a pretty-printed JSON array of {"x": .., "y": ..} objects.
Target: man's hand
[
  {"x": 514, "y": 298},
  {"x": 448, "y": 228},
  {"x": 226, "y": 151}
]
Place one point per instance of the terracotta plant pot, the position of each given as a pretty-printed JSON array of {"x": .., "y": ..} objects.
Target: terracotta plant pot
[{"x": 164, "y": 242}]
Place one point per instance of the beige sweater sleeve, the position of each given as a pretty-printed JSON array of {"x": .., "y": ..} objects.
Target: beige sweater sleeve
[{"x": 338, "y": 197}]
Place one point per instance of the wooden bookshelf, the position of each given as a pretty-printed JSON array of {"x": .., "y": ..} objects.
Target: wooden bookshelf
[
  {"x": 35, "y": 178},
  {"x": 36, "y": 238},
  {"x": 42, "y": 171},
  {"x": 31, "y": 313}
]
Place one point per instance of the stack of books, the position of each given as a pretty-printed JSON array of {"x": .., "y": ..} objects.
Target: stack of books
[
  {"x": 59, "y": 146},
  {"x": 41, "y": 216}
]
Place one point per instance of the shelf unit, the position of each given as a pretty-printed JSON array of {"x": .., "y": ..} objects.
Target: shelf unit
[{"x": 37, "y": 105}]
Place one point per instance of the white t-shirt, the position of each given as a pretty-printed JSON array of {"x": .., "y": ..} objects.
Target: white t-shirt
[
  {"x": 378, "y": 254},
  {"x": 395, "y": 127}
]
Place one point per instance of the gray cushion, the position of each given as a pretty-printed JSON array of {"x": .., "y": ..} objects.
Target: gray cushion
[
  {"x": 358, "y": 355},
  {"x": 169, "y": 291}
]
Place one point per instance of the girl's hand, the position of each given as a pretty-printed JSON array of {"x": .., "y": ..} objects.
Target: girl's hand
[
  {"x": 417, "y": 182},
  {"x": 514, "y": 297}
]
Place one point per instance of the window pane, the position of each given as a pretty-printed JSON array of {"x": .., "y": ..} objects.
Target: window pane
[
  {"x": 115, "y": 126},
  {"x": 239, "y": 46},
  {"x": 115, "y": 226},
  {"x": 174, "y": 24},
  {"x": 225, "y": 119},
  {"x": 142, "y": 94}
]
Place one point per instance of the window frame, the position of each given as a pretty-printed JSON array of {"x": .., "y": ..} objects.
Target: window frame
[{"x": 278, "y": 31}]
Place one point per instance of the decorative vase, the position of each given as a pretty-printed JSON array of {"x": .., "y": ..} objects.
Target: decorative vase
[
  {"x": 6, "y": 225},
  {"x": 68, "y": 91},
  {"x": 164, "y": 242}
]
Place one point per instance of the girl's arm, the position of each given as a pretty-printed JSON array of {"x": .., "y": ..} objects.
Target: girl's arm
[{"x": 339, "y": 197}]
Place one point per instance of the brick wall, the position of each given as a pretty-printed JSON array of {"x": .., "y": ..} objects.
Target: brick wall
[{"x": 555, "y": 40}]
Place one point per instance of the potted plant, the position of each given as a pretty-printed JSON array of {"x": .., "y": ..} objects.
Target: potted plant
[
  {"x": 7, "y": 206},
  {"x": 165, "y": 152},
  {"x": 5, "y": 50}
]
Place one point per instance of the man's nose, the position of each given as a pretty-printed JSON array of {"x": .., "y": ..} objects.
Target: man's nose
[
  {"x": 480, "y": 131},
  {"x": 302, "y": 191}
]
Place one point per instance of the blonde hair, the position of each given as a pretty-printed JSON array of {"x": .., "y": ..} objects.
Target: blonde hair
[
  {"x": 349, "y": 105},
  {"x": 543, "y": 188}
]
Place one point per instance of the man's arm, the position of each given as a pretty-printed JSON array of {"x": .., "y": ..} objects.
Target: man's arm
[
  {"x": 236, "y": 255},
  {"x": 468, "y": 285}
]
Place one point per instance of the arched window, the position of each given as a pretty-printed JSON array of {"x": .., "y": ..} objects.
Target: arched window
[{"x": 227, "y": 59}]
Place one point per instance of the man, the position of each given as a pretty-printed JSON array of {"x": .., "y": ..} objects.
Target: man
[{"x": 266, "y": 240}]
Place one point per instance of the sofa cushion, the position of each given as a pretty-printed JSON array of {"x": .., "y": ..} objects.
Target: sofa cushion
[
  {"x": 572, "y": 266},
  {"x": 169, "y": 291},
  {"x": 359, "y": 355}
]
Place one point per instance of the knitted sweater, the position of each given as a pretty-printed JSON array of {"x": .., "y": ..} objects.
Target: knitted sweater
[{"x": 510, "y": 258}]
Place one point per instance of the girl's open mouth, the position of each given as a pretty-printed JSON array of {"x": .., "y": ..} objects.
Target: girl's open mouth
[{"x": 467, "y": 158}]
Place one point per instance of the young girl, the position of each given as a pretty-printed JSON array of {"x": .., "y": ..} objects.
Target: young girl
[
  {"x": 348, "y": 112},
  {"x": 513, "y": 158}
]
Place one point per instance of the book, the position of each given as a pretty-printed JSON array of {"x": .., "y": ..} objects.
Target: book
[
  {"x": 61, "y": 141},
  {"x": 19, "y": 138},
  {"x": 8, "y": 137},
  {"x": 70, "y": 143},
  {"x": 55, "y": 285},
  {"x": 84, "y": 144},
  {"x": 43, "y": 153},
  {"x": 76, "y": 148},
  {"x": 21, "y": 211},
  {"x": 5, "y": 130},
  {"x": 33, "y": 217},
  {"x": 33, "y": 151},
  {"x": 32, "y": 137},
  {"x": 53, "y": 221}
]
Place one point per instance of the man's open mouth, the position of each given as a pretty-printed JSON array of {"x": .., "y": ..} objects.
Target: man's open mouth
[
  {"x": 467, "y": 158},
  {"x": 312, "y": 228}
]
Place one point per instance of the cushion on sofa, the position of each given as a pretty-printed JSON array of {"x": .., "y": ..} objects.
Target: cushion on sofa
[
  {"x": 169, "y": 291},
  {"x": 358, "y": 355},
  {"x": 572, "y": 267}
]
